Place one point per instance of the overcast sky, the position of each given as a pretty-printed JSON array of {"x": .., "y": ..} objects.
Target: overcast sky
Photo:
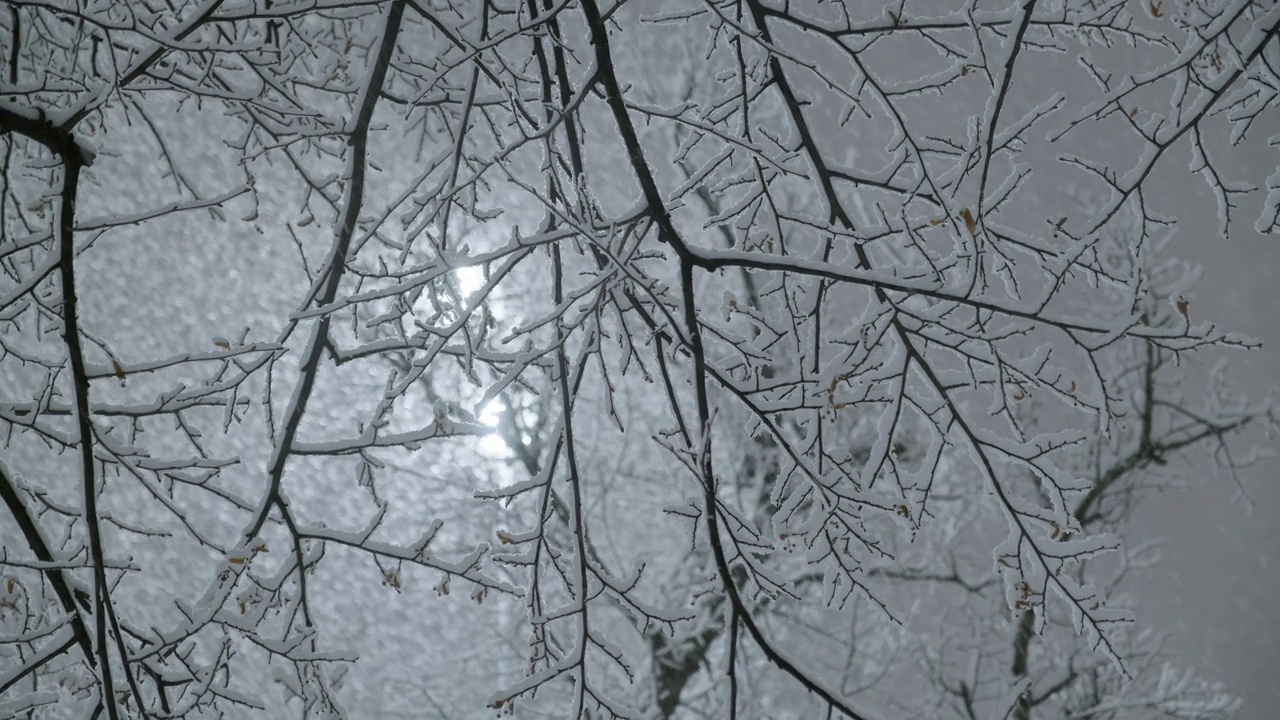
[
  {"x": 1215, "y": 595},
  {"x": 1219, "y": 591}
]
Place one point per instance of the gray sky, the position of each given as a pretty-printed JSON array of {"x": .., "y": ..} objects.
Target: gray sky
[
  {"x": 1212, "y": 595},
  {"x": 1217, "y": 591}
]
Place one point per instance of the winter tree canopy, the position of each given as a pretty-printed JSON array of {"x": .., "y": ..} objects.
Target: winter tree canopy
[{"x": 735, "y": 358}]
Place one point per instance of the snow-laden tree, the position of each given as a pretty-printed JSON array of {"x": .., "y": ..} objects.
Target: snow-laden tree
[{"x": 415, "y": 358}]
